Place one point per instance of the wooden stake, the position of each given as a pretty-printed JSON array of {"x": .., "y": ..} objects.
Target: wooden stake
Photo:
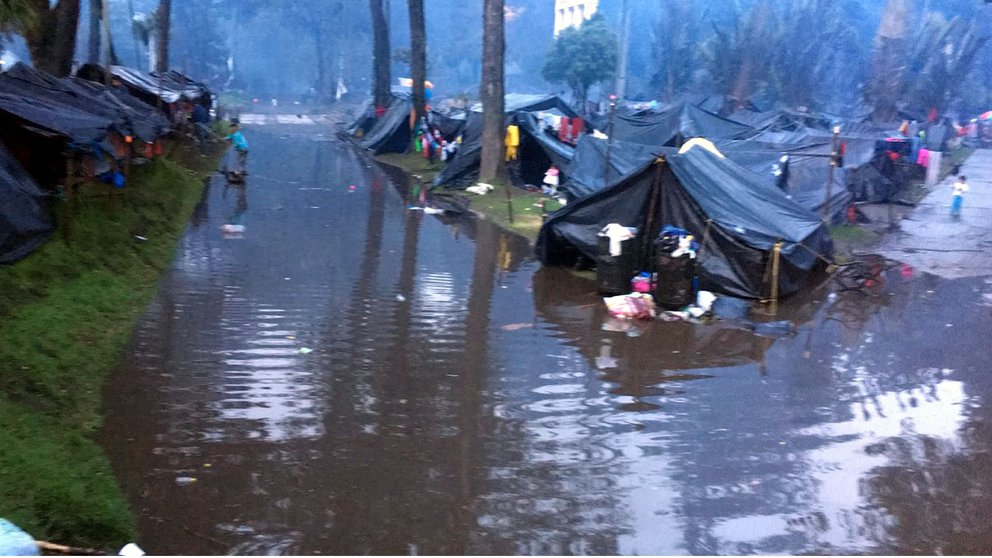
[
  {"x": 776, "y": 268},
  {"x": 68, "y": 550}
]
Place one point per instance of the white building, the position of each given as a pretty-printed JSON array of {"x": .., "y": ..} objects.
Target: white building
[{"x": 571, "y": 13}]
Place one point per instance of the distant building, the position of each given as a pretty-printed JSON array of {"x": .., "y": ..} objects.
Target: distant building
[{"x": 571, "y": 13}]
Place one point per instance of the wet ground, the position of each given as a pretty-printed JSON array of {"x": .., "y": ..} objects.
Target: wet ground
[{"x": 459, "y": 399}]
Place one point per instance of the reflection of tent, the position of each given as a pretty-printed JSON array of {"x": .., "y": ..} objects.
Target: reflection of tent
[
  {"x": 737, "y": 216},
  {"x": 464, "y": 168},
  {"x": 24, "y": 220},
  {"x": 391, "y": 133}
]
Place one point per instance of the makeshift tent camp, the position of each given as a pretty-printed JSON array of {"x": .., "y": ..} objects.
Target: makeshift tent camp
[
  {"x": 464, "y": 168},
  {"x": 391, "y": 133},
  {"x": 738, "y": 218},
  {"x": 25, "y": 223}
]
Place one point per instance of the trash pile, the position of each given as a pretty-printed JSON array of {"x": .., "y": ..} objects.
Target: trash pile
[{"x": 670, "y": 291}]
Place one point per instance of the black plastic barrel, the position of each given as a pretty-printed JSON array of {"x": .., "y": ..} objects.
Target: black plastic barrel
[
  {"x": 673, "y": 288},
  {"x": 613, "y": 273}
]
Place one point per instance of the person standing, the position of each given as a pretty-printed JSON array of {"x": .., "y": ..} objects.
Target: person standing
[
  {"x": 958, "y": 189},
  {"x": 240, "y": 145}
]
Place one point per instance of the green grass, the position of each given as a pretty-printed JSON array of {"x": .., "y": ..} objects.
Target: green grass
[
  {"x": 849, "y": 239},
  {"x": 66, "y": 313},
  {"x": 527, "y": 219},
  {"x": 412, "y": 164}
]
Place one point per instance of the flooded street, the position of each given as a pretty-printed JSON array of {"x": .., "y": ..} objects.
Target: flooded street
[{"x": 347, "y": 376}]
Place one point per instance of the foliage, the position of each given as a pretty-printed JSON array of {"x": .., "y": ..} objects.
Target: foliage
[
  {"x": 583, "y": 56},
  {"x": 17, "y": 16},
  {"x": 942, "y": 56}
]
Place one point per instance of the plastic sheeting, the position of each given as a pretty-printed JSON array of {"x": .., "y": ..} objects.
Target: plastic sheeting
[
  {"x": 667, "y": 125},
  {"x": 737, "y": 216},
  {"x": 25, "y": 223},
  {"x": 587, "y": 172},
  {"x": 67, "y": 97},
  {"x": 392, "y": 133}
]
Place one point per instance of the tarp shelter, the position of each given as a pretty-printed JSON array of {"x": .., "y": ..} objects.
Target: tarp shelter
[
  {"x": 587, "y": 172},
  {"x": 799, "y": 170},
  {"x": 463, "y": 170},
  {"x": 391, "y": 133},
  {"x": 25, "y": 223},
  {"x": 673, "y": 124},
  {"x": 125, "y": 113},
  {"x": 167, "y": 87},
  {"x": 737, "y": 217}
]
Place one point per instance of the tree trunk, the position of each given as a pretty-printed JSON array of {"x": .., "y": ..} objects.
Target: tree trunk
[
  {"x": 163, "y": 26},
  {"x": 888, "y": 67},
  {"x": 52, "y": 42},
  {"x": 380, "y": 54},
  {"x": 491, "y": 92},
  {"x": 418, "y": 55},
  {"x": 96, "y": 11}
]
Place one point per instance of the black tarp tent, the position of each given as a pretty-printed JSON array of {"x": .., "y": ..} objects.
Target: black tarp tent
[
  {"x": 25, "y": 223},
  {"x": 587, "y": 171},
  {"x": 125, "y": 113},
  {"x": 799, "y": 170},
  {"x": 737, "y": 216},
  {"x": 152, "y": 88},
  {"x": 672, "y": 124},
  {"x": 392, "y": 132},
  {"x": 463, "y": 170}
]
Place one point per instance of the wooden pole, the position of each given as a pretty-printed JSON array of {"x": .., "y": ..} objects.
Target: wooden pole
[
  {"x": 776, "y": 269},
  {"x": 609, "y": 140},
  {"x": 67, "y": 550},
  {"x": 830, "y": 176}
]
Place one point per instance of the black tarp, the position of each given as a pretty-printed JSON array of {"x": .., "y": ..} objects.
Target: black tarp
[
  {"x": 463, "y": 170},
  {"x": 802, "y": 175},
  {"x": 672, "y": 124},
  {"x": 450, "y": 122},
  {"x": 25, "y": 223},
  {"x": 167, "y": 87},
  {"x": 539, "y": 149},
  {"x": 391, "y": 133},
  {"x": 737, "y": 216},
  {"x": 587, "y": 171},
  {"x": 123, "y": 112}
]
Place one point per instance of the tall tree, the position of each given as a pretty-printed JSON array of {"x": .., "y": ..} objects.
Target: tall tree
[
  {"x": 52, "y": 41},
  {"x": 163, "y": 29},
  {"x": 418, "y": 55},
  {"x": 888, "y": 68},
  {"x": 380, "y": 53},
  {"x": 491, "y": 92},
  {"x": 583, "y": 57}
]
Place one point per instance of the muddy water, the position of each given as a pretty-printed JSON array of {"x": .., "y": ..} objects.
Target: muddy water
[{"x": 459, "y": 399}]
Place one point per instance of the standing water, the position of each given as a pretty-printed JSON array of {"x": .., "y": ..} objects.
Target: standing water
[{"x": 347, "y": 376}]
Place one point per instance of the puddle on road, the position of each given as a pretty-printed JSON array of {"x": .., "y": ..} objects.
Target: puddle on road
[{"x": 458, "y": 399}]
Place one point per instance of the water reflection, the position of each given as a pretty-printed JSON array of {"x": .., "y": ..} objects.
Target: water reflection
[{"x": 460, "y": 400}]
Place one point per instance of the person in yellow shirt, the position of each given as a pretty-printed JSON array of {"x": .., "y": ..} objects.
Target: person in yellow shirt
[{"x": 512, "y": 142}]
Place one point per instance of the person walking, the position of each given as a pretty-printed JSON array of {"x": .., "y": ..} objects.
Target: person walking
[{"x": 958, "y": 189}]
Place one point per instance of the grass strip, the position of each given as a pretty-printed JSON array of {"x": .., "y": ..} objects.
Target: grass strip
[{"x": 66, "y": 313}]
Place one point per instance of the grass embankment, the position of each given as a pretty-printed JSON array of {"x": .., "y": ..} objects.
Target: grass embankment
[
  {"x": 66, "y": 313},
  {"x": 527, "y": 218}
]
